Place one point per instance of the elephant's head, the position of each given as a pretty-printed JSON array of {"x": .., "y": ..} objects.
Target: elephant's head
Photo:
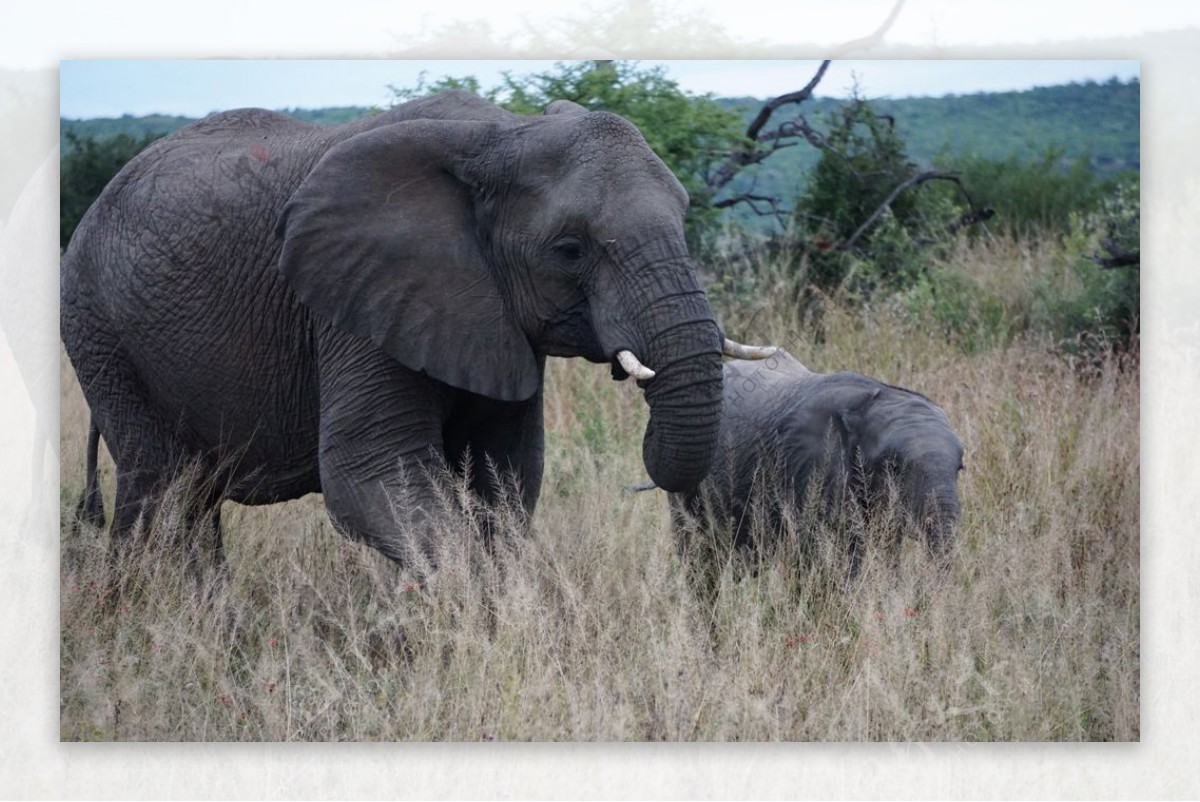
[
  {"x": 907, "y": 439},
  {"x": 929, "y": 482},
  {"x": 467, "y": 249}
]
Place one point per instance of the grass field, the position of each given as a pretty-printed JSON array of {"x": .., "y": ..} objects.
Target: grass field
[{"x": 588, "y": 628}]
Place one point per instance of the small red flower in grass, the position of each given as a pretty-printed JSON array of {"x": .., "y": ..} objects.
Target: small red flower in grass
[
  {"x": 225, "y": 700},
  {"x": 910, "y": 612},
  {"x": 270, "y": 687},
  {"x": 272, "y": 641},
  {"x": 411, "y": 587},
  {"x": 799, "y": 639}
]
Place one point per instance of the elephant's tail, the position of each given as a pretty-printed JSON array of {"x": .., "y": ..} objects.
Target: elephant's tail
[{"x": 91, "y": 506}]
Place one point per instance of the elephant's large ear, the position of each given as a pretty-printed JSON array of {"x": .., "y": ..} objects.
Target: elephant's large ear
[
  {"x": 852, "y": 419},
  {"x": 855, "y": 407},
  {"x": 381, "y": 239}
]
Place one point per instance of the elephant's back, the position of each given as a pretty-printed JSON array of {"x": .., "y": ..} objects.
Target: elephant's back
[
  {"x": 185, "y": 232},
  {"x": 791, "y": 420},
  {"x": 198, "y": 203},
  {"x": 173, "y": 272}
]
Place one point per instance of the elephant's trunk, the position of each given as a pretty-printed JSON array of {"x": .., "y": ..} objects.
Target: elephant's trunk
[
  {"x": 682, "y": 345},
  {"x": 941, "y": 523}
]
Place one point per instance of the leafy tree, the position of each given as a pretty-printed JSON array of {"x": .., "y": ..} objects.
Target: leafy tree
[
  {"x": 102, "y": 128},
  {"x": 87, "y": 167},
  {"x": 446, "y": 83},
  {"x": 867, "y": 208}
]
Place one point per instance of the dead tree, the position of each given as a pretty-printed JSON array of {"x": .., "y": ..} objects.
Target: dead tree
[{"x": 760, "y": 142}]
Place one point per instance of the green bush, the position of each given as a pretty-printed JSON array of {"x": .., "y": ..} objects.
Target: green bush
[
  {"x": 1031, "y": 196},
  {"x": 1103, "y": 315},
  {"x": 863, "y": 163},
  {"x": 1064, "y": 289},
  {"x": 86, "y": 168},
  {"x": 968, "y": 314}
]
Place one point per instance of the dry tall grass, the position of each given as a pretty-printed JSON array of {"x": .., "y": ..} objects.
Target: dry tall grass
[{"x": 587, "y": 628}]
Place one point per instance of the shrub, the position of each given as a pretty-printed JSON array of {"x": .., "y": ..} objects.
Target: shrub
[
  {"x": 1103, "y": 314},
  {"x": 87, "y": 167},
  {"x": 864, "y": 161},
  {"x": 1031, "y": 195}
]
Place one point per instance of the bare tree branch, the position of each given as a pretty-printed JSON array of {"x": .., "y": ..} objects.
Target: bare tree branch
[
  {"x": 871, "y": 40},
  {"x": 1117, "y": 256},
  {"x": 799, "y": 96},
  {"x": 753, "y": 202},
  {"x": 750, "y": 152},
  {"x": 794, "y": 128},
  {"x": 911, "y": 181}
]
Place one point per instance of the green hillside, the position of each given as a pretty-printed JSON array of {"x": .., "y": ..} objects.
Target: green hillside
[
  {"x": 1099, "y": 121},
  {"x": 1096, "y": 121},
  {"x": 101, "y": 128}
]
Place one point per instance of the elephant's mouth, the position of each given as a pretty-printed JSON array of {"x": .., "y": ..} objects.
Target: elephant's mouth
[{"x": 570, "y": 333}]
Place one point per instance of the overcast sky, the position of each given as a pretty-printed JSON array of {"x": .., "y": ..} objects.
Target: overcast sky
[
  {"x": 42, "y": 33},
  {"x": 197, "y": 87}
]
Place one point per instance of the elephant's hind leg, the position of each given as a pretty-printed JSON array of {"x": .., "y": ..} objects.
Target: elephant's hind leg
[
  {"x": 91, "y": 504},
  {"x": 150, "y": 455},
  {"x": 174, "y": 514}
]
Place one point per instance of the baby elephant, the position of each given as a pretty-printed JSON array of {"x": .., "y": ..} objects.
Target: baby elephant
[{"x": 790, "y": 436}]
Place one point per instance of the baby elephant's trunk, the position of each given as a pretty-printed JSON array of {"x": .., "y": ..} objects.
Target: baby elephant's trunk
[{"x": 939, "y": 526}]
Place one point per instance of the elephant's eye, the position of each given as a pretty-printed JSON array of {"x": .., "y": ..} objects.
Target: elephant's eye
[{"x": 569, "y": 248}]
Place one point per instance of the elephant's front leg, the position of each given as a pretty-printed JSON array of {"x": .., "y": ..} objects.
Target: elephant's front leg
[
  {"x": 380, "y": 449},
  {"x": 503, "y": 442}
]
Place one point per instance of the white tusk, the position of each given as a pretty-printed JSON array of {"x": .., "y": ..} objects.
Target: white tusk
[
  {"x": 633, "y": 367},
  {"x": 739, "y": 351}
]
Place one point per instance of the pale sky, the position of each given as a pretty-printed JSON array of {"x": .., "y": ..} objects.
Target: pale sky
[
  {"x": 40, "y": 34},
  {"x": 195, "y": 88}
]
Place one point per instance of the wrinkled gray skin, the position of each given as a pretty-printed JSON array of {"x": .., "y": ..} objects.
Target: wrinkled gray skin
[
  {"x": 785, "y": 426},
  {"x": 313, "y": 309}
]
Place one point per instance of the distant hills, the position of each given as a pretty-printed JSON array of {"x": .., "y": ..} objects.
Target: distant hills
[
  {"x": 159, "y": 124},
  {"x": 1098, "y": 121}
]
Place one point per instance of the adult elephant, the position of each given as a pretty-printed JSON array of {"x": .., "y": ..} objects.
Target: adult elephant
[
  {"x": 792, "y": 437},
  {"x": 309, "y": 309}
]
